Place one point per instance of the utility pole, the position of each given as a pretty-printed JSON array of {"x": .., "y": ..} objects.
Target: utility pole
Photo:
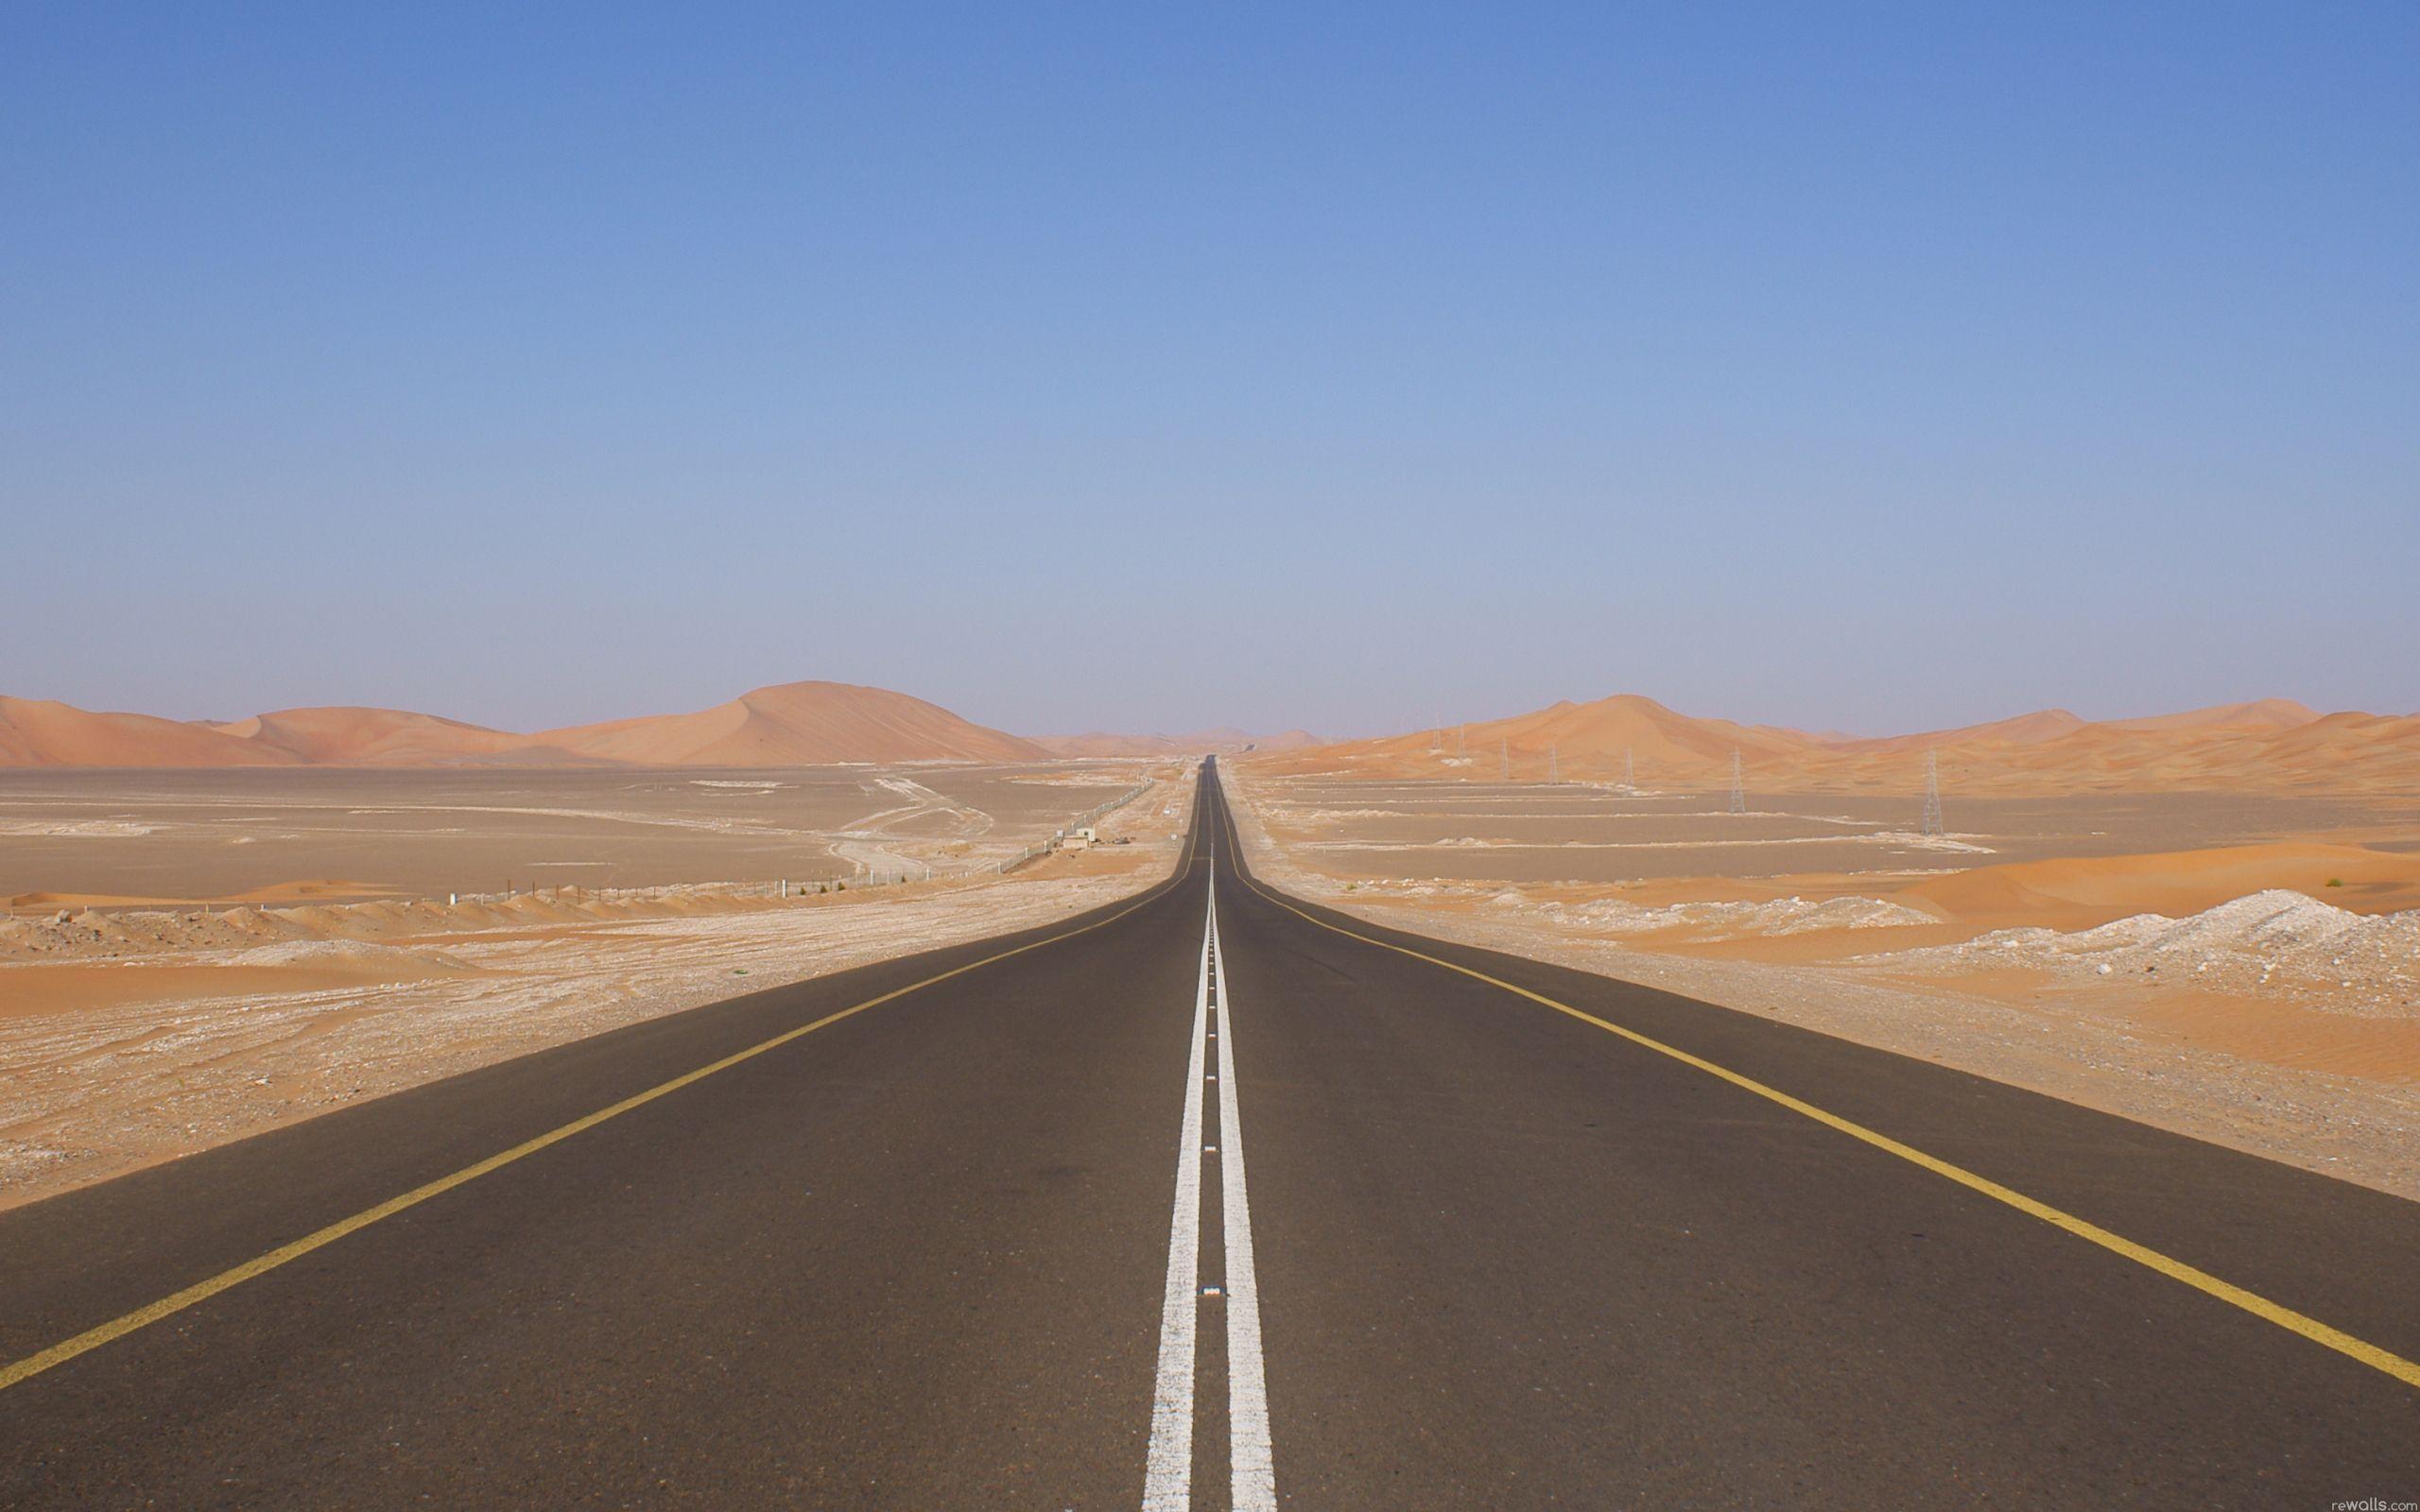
[
  {"x": 1629, "y": 769},
  {"x": 1503, "y": 759},
  {"x": 1461, "y": 740},
  {"x": 1932, "y": 795},
  {"x": 1554, "y": 764},
  {"x": 1739, "y": 789}
]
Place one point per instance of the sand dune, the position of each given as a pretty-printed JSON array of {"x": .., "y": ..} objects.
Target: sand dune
[
  {"x": 791, "y": 724},
  {"x": 376, "y": 737},
  {"x": 2267, "y": 745},
  {"x": 2024, "y": 729},
  {"x": 797, "y": 724},
  {"x": 38, "y": 733},
  {"x": 2261, "y": 713},
  {"x": 1589, "y": 736}
]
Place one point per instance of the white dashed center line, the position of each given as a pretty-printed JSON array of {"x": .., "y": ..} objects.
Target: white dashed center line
[{"x": 1168, "y": 1478}]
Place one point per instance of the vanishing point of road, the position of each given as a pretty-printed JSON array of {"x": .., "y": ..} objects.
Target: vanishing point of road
[{"x": 1211, "y": 1198}]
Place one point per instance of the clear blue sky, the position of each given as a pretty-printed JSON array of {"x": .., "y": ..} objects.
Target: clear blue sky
[{"x": 1871, "y": 367}]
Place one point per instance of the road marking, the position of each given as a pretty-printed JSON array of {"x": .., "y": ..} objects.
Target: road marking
[
  {"x": 118, "y": 1328},
  {"x": 2379, "y": 1359},
  {"x": 1167, "y": 1476},
  {"x": 1167, "y": 1467},
  {"x": 1251, "y": 1458}
]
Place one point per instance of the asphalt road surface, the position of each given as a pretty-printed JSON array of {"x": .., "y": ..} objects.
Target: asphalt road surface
[{"x": 976, "y": 1229}]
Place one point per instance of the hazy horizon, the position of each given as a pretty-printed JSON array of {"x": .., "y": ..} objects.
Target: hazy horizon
[
  {"x": 1089, "y": 370},
  {"x": 1206, "y": 726}
]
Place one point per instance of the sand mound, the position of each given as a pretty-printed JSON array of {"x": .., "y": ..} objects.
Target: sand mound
[
  {"x": 2342, "y": 962},
  {"x": 374, "y": 737},
  {"x": 792, "y": 724},
  {"x": 38, "y": 733},
  {"x": 2261, "y": 713},
  {"x": 797, "y": 724},
  {"x": 2267, "y": 744}
]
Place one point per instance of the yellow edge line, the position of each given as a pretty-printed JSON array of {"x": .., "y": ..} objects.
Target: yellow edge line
[
  {"x": 93, "y": 1338},
  {"x": 2253, "y": 1302}
]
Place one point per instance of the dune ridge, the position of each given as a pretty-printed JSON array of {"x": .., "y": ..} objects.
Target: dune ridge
[
  {"x": 793, "y": 724},
  {"x": 367, "y": 737},
  {"x": 2262, "y": 745},
  {"x": 43, "y": 733}
]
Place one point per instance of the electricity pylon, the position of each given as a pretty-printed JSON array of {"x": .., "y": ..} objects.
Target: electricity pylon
[
  {"x": 1503, "y": 759},
  {"x": 1629, "y": 769},
  {"x": 1739, "y": 788},
  {"x": 1932, "y": 795}
]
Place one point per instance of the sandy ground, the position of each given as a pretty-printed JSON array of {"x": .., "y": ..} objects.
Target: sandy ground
[
  {"x": 131, "y": 1036},
  {"x": 276, "y": 834},
  {"x": 1586, "y": 832},
  {"x": 2215, "y": 992}
]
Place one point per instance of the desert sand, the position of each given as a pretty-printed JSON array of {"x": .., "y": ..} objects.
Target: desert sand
[
  {"x": 2264, "y": 994},
  {"x": 254, "y": 835},
  {"x": 2268, "y": 745},
  {"x": 791, "y": 724},
  {"x": 132, "y": 1035}
]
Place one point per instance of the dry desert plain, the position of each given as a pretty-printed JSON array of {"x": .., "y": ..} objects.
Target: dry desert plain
[
  {"x": 2207, "y": 922},
  {"x": 79, "y": 836},
  {"x": 216, "y": 928},
  {"x": 132, "y": 1033}
]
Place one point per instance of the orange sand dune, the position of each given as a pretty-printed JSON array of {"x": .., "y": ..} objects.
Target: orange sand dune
[
  {"x": 2260, "y": 713},
  {"x": 2025, "y": 730},
  {"x": 38, "y": 733},
  {"x": 795, "y": 724},
  {"x": 1590, "y": 737},
  {"x": 792, "y": 725},
  {"x": 2271, "y": 744},
  {"x": 376, "y": 737}
]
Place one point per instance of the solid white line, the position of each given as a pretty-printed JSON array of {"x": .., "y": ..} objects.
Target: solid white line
[
  {"x": 1168, "y": 1475},
  {"x": 1251, "y": 1458}
]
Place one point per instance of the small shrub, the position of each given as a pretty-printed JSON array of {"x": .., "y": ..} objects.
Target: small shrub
[{"x": 2336, "y": 882}]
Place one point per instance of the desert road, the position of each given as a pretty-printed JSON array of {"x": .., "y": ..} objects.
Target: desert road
[{"x": 1211, "y": 1199}]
